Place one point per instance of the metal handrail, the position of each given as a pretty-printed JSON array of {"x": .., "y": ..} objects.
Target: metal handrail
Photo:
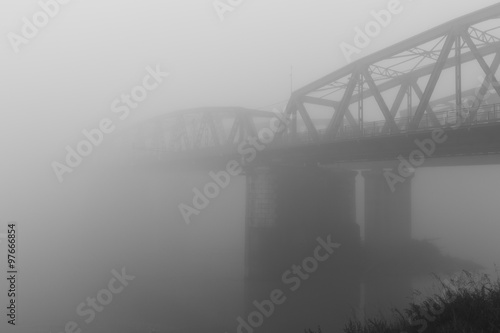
[
  {"x": 452, "y": 117},
  {"x": 484, "y": 114}
]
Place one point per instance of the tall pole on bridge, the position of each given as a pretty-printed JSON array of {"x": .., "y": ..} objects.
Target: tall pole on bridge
[
  {"x": 360, "y": 104},
  {"x": 458, "y": 76}
]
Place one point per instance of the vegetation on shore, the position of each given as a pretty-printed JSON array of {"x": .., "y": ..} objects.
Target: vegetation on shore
[{"x": 467, "y": 303}]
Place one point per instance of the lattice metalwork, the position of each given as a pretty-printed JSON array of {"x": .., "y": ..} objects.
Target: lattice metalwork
[
  {"x": 366, "y": 97},
  {"x": 442, "y": 77}
]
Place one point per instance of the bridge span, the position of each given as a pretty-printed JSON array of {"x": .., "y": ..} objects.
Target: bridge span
[{"x": 442, "y": 78}]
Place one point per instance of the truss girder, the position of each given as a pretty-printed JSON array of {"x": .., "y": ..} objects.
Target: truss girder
[
  {"x": 197, "y": 129},
  {"x": 384, "y": 70},
  {"x": 381, "y": 103},
  {"x": 403, "y": 90},
  {"x": 377, "y": 84},
  {"x": 482, "y": 36},
  {"x": 338, "y": 116},
  {"x": 487, "y": 82},
  {"x": 428, "y": 107}
]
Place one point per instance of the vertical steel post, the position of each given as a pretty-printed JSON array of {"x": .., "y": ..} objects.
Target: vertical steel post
[
  {"x": 360, "y": 104},
  {"x": 458, "y": 75},
  {"x": 410, "y": 106},
  {"x": 293, "y": 116}
]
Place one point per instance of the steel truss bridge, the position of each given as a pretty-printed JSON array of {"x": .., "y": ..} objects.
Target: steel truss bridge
[
  {"x": 373, "y": 108},
  {"x": 366, "y": 113}
]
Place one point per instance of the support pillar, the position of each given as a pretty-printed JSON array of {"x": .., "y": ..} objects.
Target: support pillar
[
  {"x": 260, "y": 224},
  {"x": 387, "y": 212},
  {"x": 288, "y": 209}
]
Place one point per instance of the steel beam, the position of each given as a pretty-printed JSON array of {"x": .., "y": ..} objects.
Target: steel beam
[
  {"x": 431, "y": 85},
  {"x": 458, "y": 72},
  {"x": 465, "y": 21},
  {"x": 336, "y": 121},
  {"x": 313, "y": 132},
  {"x": 381, "y": 103},
  {"x": 397, "y": 103},
  {"x": 428, "y": 109},
  {"x": 484, "y": 88},
  {"x": 482, "y": 62}
]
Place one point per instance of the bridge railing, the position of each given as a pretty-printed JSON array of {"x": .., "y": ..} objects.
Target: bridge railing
[{"x": 465, "y": 116}]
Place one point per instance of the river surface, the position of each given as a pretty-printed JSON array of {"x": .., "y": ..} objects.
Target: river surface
[{"x": 187, "y": 277}]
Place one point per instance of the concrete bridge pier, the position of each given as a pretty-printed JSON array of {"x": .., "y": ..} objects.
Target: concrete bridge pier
[
  {"x": 288, "y": 209},
  {"x": 387, "y": 233},
  {"x": 387, "y": 211}
]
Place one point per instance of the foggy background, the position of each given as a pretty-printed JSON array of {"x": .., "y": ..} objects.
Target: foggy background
[{"x": 72, "y": 234}]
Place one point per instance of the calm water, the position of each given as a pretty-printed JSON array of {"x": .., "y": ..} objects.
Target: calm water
[{"x": 188, "y": 278}]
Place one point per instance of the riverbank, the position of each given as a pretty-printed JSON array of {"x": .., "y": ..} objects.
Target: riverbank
[{"x": 466, "y": 303}]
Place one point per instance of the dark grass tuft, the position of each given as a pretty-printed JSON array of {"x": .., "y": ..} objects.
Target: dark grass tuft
[{"x": 467, "y": 304}]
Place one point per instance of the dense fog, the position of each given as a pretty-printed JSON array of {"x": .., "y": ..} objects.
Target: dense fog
[{"x": 78, "y": 230}]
